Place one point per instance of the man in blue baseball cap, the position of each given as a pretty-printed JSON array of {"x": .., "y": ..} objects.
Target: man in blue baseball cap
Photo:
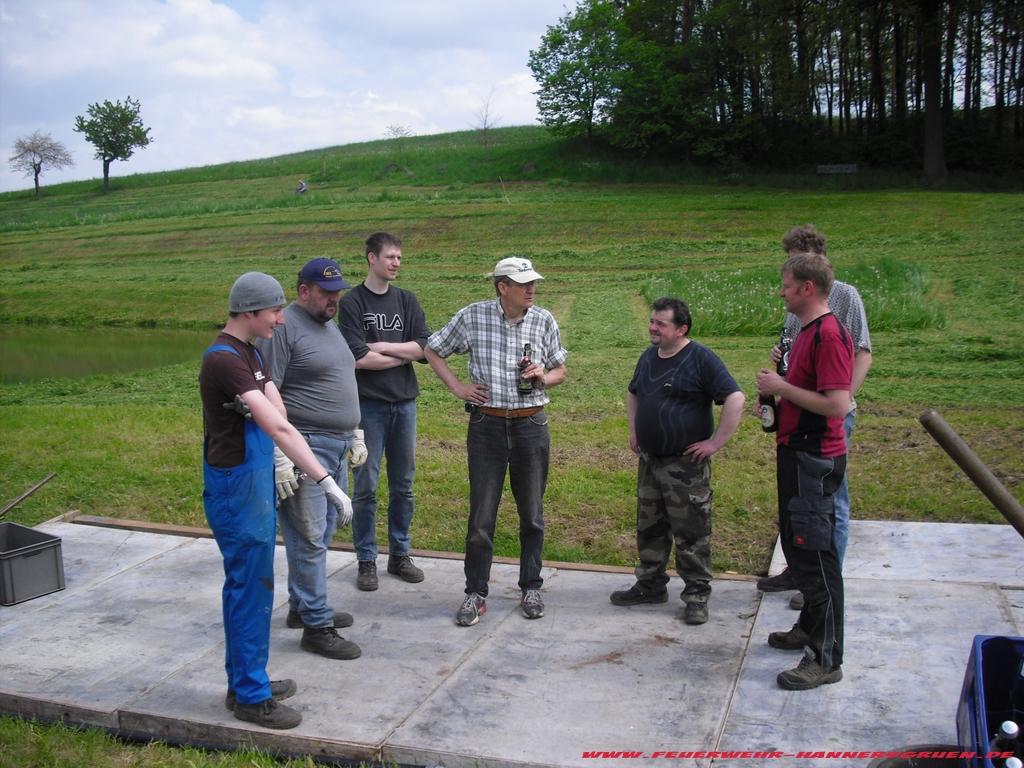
[{"x": 311, "y": 365}]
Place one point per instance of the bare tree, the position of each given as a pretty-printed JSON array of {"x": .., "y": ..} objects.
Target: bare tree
[
  {"x": 398, "y": 133},
  {"x": 486, "y": 120},
  {"x": 32, "y": 153}
]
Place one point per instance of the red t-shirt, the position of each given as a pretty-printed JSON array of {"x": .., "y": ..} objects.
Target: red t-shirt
[
  {"x": 222, "y": 376},
  {"x": 821, "y": 360}
]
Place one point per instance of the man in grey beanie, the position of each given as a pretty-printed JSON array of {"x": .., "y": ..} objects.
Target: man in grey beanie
[{"x": 243, "y": 418}]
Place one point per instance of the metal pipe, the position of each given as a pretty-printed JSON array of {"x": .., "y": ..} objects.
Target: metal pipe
[
  {"x": 974, "y": 468},
  {"x": 12, "y": 504}
]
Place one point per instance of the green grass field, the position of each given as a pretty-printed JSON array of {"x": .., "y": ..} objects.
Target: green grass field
[{"x": 940, "y": 273}]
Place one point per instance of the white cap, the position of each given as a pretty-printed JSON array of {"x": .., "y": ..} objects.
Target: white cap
[{"x": 516, "y": 268}]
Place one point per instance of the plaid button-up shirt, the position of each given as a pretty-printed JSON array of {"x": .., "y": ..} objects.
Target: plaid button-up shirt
[{"x": 495, "y": 348}]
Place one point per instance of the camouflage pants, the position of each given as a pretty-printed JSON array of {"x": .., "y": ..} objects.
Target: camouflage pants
[{"x": 673, "y": 504}]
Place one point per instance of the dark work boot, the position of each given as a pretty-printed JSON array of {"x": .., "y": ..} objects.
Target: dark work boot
[
  {"x": 268, "y": 714},
  {"x": 367, "y": 578},
  {"x": 279, "y": 689},
  {"x": 782, "y": 582},
  {"x": 402, "y": 567},
  {"x": 636, "y": 596},
  {"x": 327, "y": 642}
]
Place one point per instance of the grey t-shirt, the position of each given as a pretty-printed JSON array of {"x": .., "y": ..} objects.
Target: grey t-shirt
[
  {"x": 312, "y": 366},
  {"x": 847, "y": 306}
]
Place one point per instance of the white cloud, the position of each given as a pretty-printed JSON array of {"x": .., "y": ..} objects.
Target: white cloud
[{"x": 239, "y": 79}]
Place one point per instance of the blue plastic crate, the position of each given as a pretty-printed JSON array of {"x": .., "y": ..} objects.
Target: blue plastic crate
[{"x": 993, "y": 691}]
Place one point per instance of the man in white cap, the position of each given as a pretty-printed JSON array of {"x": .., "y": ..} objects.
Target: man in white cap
[
  {"x": 243, "y": 418},
  {"x": 311, "y": 366},
  {"x": 515, "y": 356}
]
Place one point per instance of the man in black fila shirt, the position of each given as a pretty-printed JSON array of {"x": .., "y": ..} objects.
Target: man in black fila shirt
[{"x": 386, "y": 330}]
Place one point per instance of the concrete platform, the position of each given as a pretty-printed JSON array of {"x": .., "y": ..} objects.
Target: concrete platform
[{"x": 134, "y": 644}]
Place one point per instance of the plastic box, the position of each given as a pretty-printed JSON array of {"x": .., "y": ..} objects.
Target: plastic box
[
  {"x": 31, "y": 563},
  {"x": 993, "y": 691}
]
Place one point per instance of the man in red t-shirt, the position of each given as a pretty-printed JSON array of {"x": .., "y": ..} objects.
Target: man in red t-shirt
[{"x": 811, "y": 463}]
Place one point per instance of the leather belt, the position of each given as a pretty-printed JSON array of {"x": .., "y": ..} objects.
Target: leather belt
[{"x": 510, "y": 413}]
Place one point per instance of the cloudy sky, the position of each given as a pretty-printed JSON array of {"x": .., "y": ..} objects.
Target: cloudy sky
[{"x": 223, "y": 80}]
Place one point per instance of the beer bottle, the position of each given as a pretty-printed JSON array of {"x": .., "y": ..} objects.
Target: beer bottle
[
  {"x": 525, "y": 386},
  {"x": 767, "y": 406},
  {"x": 1007, "y": 738}
]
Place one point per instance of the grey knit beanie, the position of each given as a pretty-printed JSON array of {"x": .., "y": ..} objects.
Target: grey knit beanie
[{"x": 253, "y": 291}]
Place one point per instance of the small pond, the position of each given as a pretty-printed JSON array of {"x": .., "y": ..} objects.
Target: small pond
[{"x": 32, "y": 352}]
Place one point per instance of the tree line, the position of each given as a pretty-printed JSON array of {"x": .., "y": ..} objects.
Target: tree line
[{"x": 784, "y": 82}]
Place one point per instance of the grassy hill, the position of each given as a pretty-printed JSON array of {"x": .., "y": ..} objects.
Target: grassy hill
[{"x": 940, "y": 272}]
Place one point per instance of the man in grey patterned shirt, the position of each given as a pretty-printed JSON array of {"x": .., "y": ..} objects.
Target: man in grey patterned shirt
[
  {"x": 845, "y": 303},
  {"x": 508, "y": 428}
]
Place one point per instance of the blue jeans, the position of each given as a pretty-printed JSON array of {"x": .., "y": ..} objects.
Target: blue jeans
[
  {"x": 522, "y": 448},
  {"x": 842, "y": 498},
  {"x": 390, "y": 431},
  {"x": 308, "y": 522}
]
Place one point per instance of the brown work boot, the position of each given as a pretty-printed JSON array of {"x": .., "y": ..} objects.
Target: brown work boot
[{"x": 268, "y": 714}]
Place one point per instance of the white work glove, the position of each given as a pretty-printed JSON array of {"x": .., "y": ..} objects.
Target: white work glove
[
  {"x": 338, "y": 498},
  {"x": 284, "y": 475},
  {"x": 357, "y": 453}
]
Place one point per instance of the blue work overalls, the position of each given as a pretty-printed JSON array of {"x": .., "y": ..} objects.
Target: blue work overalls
[{"x": 239, "y": 506}]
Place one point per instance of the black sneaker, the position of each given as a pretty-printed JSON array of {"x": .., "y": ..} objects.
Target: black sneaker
[
  {"x": 808, "y": 674},
  {"x": 696, "y": 613},
  {"x": 793, "y": 640},
  {"x": 268, "y": 714},
  {"x": 532, "y": 604},
  {"x": 327, "y": 642},
  {"x": 367, "y": 578},
  {"x": 636, "y": 596},
  {"x": 341, "y": 620},
  {"x": 401, "y": 566},
  {"x": 279, "y": 689},
  {"x": 782, "y": 582},
  {"x": 472, "y": 608}
]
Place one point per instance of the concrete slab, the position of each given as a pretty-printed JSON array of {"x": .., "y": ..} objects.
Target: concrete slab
[
  {"x": 885, "y": 549},
  {"x": 410, "y": 646},
  {"x": 92, "y": 555},
  {"x": 134, "y": 644},
  {"x": 906, "y": 647},
  {"x": 588, "y": 676}
]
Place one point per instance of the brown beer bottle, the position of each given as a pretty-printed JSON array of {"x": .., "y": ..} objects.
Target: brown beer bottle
[
  {"x": 767, "y": 406},
  {"x": 525, "y": 386}
]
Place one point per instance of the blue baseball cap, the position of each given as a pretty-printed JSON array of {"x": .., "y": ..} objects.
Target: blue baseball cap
[{"x": 324, "y": 272}]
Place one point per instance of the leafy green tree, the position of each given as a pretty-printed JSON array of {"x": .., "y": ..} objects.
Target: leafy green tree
[
  {"x": 32, "y": 153},
  {"x": 575, "y": 66},
  {"x": 116, "y": 130}
]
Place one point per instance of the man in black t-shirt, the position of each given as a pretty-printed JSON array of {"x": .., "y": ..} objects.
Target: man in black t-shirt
[
  {"x": 386, "y": 330},
  {"x": 671, "y": 429}
]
